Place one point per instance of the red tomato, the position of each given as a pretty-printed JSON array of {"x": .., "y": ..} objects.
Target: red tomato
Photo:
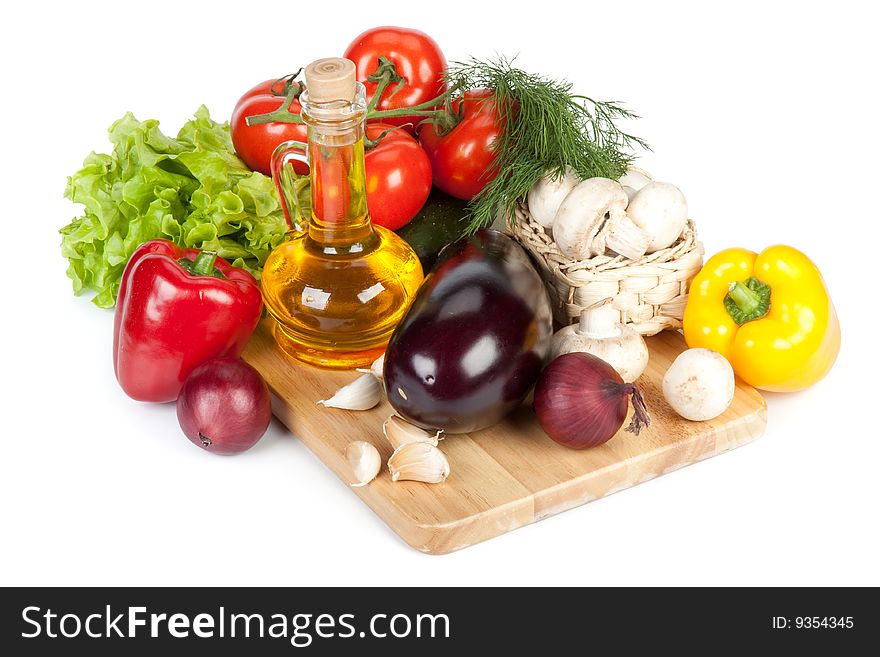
[
  {"x": 398, "y": 177},
  {"x": 461, "y": 159},
  {"x": 255, "y": 143},
  {"x": 417, "y": 57}
]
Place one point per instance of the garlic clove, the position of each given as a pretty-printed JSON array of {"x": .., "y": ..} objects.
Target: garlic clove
[
  {"x": 623, "y": 237},
  {"x": 400, "y": 432},
  {"x": 364, "y": 460},
  {"x": 375, "y": 369},
  {"x": 360, "y": 395},
  {"x": 418, "y": 462}
]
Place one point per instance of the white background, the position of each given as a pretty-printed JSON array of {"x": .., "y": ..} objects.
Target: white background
[{"x": 765, "y": 114}]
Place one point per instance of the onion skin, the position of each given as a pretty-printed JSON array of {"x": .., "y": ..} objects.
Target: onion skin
[
  {"x": 224, "y": 406},
  {"x": 582, "y": 402}
]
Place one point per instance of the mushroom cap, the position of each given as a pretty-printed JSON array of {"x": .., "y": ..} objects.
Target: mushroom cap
[
  {"x": 634, "y": 179},
  {"x": 626, "y": 351},
  {"x": 699, "y": 385},
  {"x": 546, "y": 195},
  {"x": 583, "y": 212},
  {"x": 659, "y": 209}
]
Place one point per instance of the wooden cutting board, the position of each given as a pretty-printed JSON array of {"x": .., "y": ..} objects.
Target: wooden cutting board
[{"x": 506, "y": 476}]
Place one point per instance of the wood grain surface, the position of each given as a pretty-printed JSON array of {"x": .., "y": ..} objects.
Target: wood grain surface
[{"x": 506, "y": 476}]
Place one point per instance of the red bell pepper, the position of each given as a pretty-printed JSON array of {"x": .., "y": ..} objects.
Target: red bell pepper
[{"x": 178, "y": 308}]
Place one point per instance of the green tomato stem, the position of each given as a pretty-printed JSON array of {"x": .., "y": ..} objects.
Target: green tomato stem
[
  {"x": 429, "y": 110},
  {"x": 385, "y": 74},
  {"x": 370, "y": 144}
]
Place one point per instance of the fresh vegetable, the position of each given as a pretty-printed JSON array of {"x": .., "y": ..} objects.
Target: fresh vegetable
[
  {"x": 418, "y": 462},
  {"x": 633, "y": 180},
  {"x": 398, "y": 176},
  {"x": 192, "y": 189},
  {"x": 473, "y": 341},
  {"x": 769, "y": 314},
  {"x": 364, "y": 461},
  {"x": 599, "y": 333},
  {"x": 592, "y": 218},
  {"x": 699, "y": 385},
  {"x": 581, "y": 401},
  {"x": 224, "y": 407},
  {"x": 547, "y": 194},
  {"x": 661, "y": 211},
  {"x": 498, "y": 130},
  {"x": 256, "y": 143},
  {"x": 400, "y": 68},
  {"x": 178, "y": 308},
  {"x": 461, "y": 159},
  {"x": 543, "y": 127},
  {"x": 362, "y": 394},
  {"x": 443, "y": 220}
]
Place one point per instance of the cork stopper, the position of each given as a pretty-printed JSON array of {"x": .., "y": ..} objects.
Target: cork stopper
[{"x": 329, "y": 79}]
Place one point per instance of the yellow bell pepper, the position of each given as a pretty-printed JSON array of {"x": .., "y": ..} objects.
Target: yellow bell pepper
[{"x": 769, "y": 314}]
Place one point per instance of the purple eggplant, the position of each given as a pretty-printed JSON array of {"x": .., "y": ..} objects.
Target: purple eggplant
[{"x": 473, "y": 342}]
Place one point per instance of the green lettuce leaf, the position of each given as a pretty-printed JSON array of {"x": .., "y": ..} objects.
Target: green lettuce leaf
[{"x": 191, "y": 189}]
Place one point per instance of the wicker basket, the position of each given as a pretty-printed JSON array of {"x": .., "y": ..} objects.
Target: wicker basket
[{"x": 650, "y": 293}]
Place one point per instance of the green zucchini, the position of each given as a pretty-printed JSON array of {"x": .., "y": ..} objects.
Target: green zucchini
[{"x": 441, "y": 221}]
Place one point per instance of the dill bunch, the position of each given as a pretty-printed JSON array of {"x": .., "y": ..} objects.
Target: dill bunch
[{"x": 545, "y": 128}]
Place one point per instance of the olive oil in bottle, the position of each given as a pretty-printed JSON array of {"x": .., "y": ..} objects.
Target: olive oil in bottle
[{"x": 337, "y": 290}]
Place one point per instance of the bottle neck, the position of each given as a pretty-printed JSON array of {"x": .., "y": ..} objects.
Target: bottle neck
[{"x": 338, "y": 182}]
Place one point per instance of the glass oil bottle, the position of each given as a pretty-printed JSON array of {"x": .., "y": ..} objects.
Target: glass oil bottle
[{"x": 337, "y": 290}]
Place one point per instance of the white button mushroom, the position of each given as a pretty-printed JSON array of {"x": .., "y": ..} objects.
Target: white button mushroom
[
  {"x": 699, "y": 385},
  {"x": 660, "y": 210},
  {"x": 547, "y": 194},
  {"x": 633, "y": 180},
  {"x": 599, "y": 333},
  {"x": 592, "y": 218}
]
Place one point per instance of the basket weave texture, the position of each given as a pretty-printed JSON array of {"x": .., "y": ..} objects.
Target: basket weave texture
[{"x": 650, "y": 293}]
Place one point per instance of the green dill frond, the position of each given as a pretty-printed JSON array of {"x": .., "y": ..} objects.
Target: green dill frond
[{"x": 545, "y": 128}]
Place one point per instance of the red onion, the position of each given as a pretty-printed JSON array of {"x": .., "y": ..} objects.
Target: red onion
[
  {"x": 224, "y": 406},
  {"x": 581, "y": 401}
]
